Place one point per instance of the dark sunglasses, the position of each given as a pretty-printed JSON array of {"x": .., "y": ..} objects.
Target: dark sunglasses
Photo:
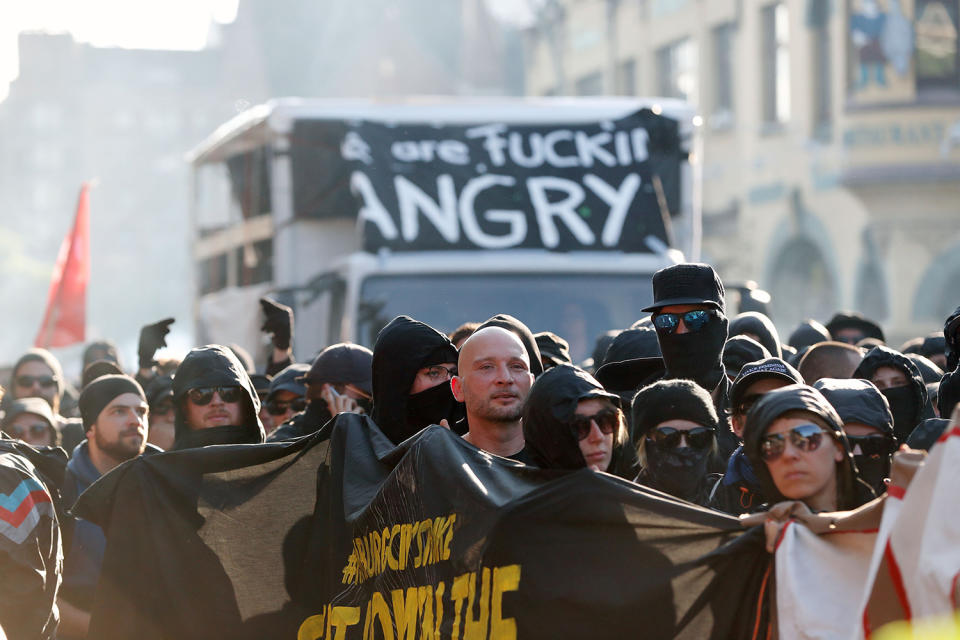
[
  {"x": 279, "y": 407},
  {"x": 35, "y": 430},
  {"x": 44, "y": 381},
  {"x": 878, "y": 444},
  {"x": 162, "y": 408},
  {"x": 669, "y": 438},
  {"x": 203, "y": 395},
  {"x": 608, "y": 421},
  {"x": 805, "y": 437},
  {"x": 694, "y": 320}
]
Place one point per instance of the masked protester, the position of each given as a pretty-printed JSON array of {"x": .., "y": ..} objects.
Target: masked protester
[
  {"x": 899, "y": 380},
  {"x": 215, "y": 400},
  {"x": 868, "y": 424},
  {"x": 675, "y": 428},
  {"x": 570, "y": 422},
  {"x": 412, "y": 367},
  {"x": 632, "y": 361},
  {"x": 754, "y": 324},
  {"x": 796, "y": 445},
  {"x": 740, "y": 350}
]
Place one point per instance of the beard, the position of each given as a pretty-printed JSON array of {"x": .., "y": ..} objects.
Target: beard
[
  {"x": 122, "y": 447},
  {"x": 490, "y": 411}
]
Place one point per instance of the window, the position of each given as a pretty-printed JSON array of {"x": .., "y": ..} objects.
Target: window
[
  {"x": 255, "y": 262},
  {"x": 590, "y": 84},
  {"x": 627, "y": 78},
  {"x": 677, "y": 70},
  {"x": 775, "y": 22},
  {"x": 936, "y": 27},
  {"x": 213, "y": 273},
  {"x": 722, "y": 38},
  {"x": 819, "y": 21}
]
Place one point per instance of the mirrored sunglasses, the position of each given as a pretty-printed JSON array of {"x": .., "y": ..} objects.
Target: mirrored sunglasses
[
  {"x": 805, "y": 437},
  {"x": 608, "y": 421},
  {"x": 694, "y": 320}
]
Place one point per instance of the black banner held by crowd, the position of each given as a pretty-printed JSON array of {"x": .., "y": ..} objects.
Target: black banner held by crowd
[
  {"x": 562, "y": 187},
  {"x": 340, "y": 535}
]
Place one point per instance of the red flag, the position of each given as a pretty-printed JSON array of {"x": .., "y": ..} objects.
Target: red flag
[{"x": 64, "y": 322}]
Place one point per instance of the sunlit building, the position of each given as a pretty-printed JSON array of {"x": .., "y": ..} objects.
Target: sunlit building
[{"x": 831, "y": 137}]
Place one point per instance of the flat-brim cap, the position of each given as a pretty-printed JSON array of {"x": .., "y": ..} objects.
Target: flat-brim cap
[
  {"x": 630, "y": 374},
  {"x": 688, "y": 283}
]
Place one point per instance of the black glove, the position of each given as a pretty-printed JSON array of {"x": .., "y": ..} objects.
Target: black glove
[
  {"x": 278, "y": 322},
  {"x": 152, "y": 337}
]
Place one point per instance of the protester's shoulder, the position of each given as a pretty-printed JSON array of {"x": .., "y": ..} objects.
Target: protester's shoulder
[{"x": 735, "y": 497}]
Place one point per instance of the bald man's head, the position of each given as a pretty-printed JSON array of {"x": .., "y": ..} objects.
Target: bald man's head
[
  {"x": 493, "y": 376},
  {"x": 830, "y": 360}
]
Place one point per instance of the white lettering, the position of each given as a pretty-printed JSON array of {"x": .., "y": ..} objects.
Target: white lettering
[
  {"x": 468, "y": 217},
  {"x": 640, "y": 138},
  {"x": 454, "y": 152},
  {"x": 493, "y": 142},
  {"x": 564, "y": 209},
  {"x": 535, "y": 159},
  {"x": 621, "y": 142},
  {"x": 372, "y": 209},
  {"x": 411, "y": 200},
  {"x": 590, "y": 147},
  {"x": 619, "y": 201},
  {"x": 550, "y": 148}
]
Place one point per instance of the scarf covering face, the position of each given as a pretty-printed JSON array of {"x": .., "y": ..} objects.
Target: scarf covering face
[
  {"x": 696, "y": 356},
  {"x": 215, "y": 366},
  {"x": 906, "y": 403}
]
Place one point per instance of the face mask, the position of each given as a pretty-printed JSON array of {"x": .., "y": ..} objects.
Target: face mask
[
  {"x": 696, "y": 356},
  {"x": 873, "y": 469},
  {"x": 903, "y": 406},
  {"x": 676, "y": 471},
  {"x": 430, "y": 407}
]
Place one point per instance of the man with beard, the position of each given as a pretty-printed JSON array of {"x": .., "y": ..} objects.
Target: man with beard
[
  {"x": 215, "y": 401},
  {"x": 493, "y": 382},
  {"x": 412, "y": 367},
  {"x": 114, "y": 412},
  {"x": 37, "y": 374},
  {"x": 339, "y": 381},
  {"x": 869, "y": 426},
  {"x": 688, "y": 314}
]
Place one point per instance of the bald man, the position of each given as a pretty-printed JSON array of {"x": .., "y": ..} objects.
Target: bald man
[{"x": 493, "y": 382}]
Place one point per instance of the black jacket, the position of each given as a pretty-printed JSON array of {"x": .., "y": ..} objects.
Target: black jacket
[
  {"x": 759, "y": 325},
  {"x": 215, "y": 366}
]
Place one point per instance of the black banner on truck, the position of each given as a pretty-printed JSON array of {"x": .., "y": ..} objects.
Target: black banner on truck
[{"x": 604, "y": 186}]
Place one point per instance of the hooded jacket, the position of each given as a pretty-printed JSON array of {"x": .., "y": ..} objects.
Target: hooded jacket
[
  {"x": 853, "y": 320},
  {"x": 403, "y": 347},
  {"x": 951, "y": 338},
  {"x": 215, "y": 366},
  {"x": 907, "y": 407},
  {"x": 851, "y": 491},
  {"x": 550, "y": 406},
  {"x": 808, "y": 333},
  {"x": 948, "y": 394},
  {"x": 757, "y": 324}
]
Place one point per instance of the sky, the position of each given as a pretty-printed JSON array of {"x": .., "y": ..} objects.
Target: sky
[{"x": 142, "y": 24}]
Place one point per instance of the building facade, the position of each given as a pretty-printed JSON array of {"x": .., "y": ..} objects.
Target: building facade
[{"x": 831, "y": 137}]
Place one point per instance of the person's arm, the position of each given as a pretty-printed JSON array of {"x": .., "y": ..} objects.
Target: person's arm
[
  {"x": 278, "y": 322},
  {"x": 152, "y": 338},
  {"x": 74, "y": 622}
]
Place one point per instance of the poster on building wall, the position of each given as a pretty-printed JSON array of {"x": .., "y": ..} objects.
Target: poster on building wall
[{"x": 606, "y": 185}]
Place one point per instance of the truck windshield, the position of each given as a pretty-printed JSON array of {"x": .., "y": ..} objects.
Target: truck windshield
[{"x": 576, "y": 307}]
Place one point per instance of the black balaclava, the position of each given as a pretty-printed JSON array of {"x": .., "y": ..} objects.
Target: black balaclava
[
  {"x": 523, "y": 332},
  {"x": 860, "y": 401},
  {"x": 679, "y": 471},
  {"x": 215, "y": 366},
  {"x": 907, "y": 403},
  {"x": 755, "y": 323},
  {"x": 696, "y": 356},
  {"x": 951, "y": 338},
  {"x": 851, "y": 490},
  {"x": 808, "y": 333},
  {"x": 403, "y": 347},
  {"x": 550, "y": 406}
]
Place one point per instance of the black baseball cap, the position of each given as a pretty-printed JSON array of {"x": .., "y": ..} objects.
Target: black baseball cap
[
  {"x": 767, "y": 368},
  {"x": 342, "y": 363},
  {"x": 688, "y": 283}
]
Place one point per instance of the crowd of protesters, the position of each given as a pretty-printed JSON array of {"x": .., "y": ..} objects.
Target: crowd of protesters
[{"x": 712, "y": 410}]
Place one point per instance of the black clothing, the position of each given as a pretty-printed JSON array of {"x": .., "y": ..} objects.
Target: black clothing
[
  {"x": 343, "y": 363},
  {"x": 927, "y": 433},
  {"x": 278, "y": 322},
  {"x": 753, "y": 371},
  {"x": 759, "y": 325},
  {"x": 632, "y": 361},
  {"x": 929, "y": 371},
  {"x": 97, "y": 369},
  {"x": 551, "y": 404},
  {"x": 553, "y": 348},
  {"x": 851, "y": 491},
  {"x": 309, "y": 421},
  {"x": 948, "y": 393},
  {"x": 101, "y": 392},
  {"x": 641, "y": 342},
  {"x": 808, "y": 333},
  {"x": 740, "y": 350},
  {"x": 671, "y": 400},
  {"x": 510, "y": 323},
  {"x": 696, "y": 356},
  {"x": 951, "y": 338},
  {"x": 152, "y": 337},
  {"x": 906, "y": 403},
  {"x": 737, "y": 490},
  {"x": 214, "y": 366},
  {"x": 403, "y": 347},
  {"x": 854, "y": 320},
  {"x": 688, "y": 283}
]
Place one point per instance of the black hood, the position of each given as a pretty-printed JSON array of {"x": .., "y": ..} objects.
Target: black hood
[
  {"x": 214, "y": 366},
  {"x": 741, "y": 350},
  {"x": 759, "y": 325},
  {"x": 854, "y": 320},
  {"x": 927, "y": 433},
  {"x": 601, "y": 346},
  {"x": 851, "y": 491},
  {"x": 550, "y": 406},
  {"x": 857, "y": 401},
  {"x": 882, "y": 356},
  {"x": 403, "y": 347},
  {"x": 948, "y": 394},
  {"x": 929, "y": 370},
  {"x": 510, "y": 323},
  {"x": 951, "y": 338},
  {"x": 810, "y": 332},
  {"x": 633, "y": 343}
]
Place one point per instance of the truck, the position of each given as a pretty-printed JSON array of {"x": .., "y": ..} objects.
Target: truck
[{"x": 449, "y": 210}]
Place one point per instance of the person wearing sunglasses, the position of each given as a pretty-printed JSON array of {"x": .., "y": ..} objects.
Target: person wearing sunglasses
[
  {"x": 214, "y": 400},
  {"x": 570, "y": 422},
  {"x": 31, "y": 421},
  {"x": 675, "y": 431},
  {"x": 286, "y": 397},
  {"x": 798, "y": 449},
  {"x": 738, "y": 490},
  {"x": 868, "y": 424},
  {"x": 159, "y": 392}
]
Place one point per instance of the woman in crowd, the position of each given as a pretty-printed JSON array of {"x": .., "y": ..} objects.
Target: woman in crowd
[
  {"x": 675, "y": 428},
  {"x": 571, "y": 422},
  {"x": 799, "y": 451}
]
